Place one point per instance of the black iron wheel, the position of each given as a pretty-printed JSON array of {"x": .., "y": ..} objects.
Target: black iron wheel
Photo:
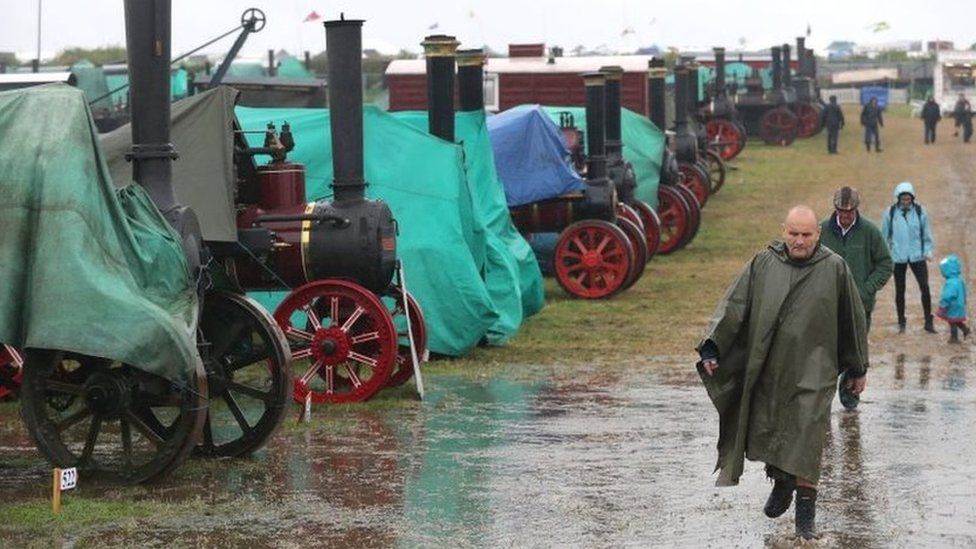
[
  {"x": 248, "y": 374},
  {"x": 113, "y": 421}
]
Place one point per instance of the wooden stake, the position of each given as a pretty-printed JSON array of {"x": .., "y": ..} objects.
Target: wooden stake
[{"x": 56, "y": 491}]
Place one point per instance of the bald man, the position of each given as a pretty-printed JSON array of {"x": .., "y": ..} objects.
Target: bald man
[{"x": 789, "y": 324}]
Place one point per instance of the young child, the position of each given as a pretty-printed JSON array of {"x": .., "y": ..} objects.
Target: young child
[{"x": 952, "y": 305}]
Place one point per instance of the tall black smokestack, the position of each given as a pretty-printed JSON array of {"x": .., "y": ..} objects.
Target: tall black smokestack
[
  {"x": 801, "y": 55},
  {"x": 471, "y": 79},
  {"x": 614, "y": 77},
  {"x": 271, "y": 63},
  {"x": 656, "y": 94},
  {"x": 596, "y": 160},
  {"x": 787, "y": 73},
  {"x": 308, "y": 61},
  {"x": 440, "y": 51},
  {"x": 147, "y": 37},
  {"x": 719, "y": 71},
  {"x": 777, "y": 68},
  {"x": 681, "y": 98},
  {"x": 344, "y": 48}
]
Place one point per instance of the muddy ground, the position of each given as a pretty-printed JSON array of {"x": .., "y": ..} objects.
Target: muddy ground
[{"x": 614, "y": 454}]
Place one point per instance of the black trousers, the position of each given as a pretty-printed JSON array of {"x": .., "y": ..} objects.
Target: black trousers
[
  {"x": 921, "y": 271},
  {"x": 929, "y": 132},
  {"x": 967, "y": 130},
  {"x": 832, "y": 134},
  {"x": 871, "y": 134}
]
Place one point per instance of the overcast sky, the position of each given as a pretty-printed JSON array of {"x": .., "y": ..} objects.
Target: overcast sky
[{"x": 390, "y": 25}]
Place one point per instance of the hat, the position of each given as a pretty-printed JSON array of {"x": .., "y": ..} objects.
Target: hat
[{"x": 846, "y": 198}]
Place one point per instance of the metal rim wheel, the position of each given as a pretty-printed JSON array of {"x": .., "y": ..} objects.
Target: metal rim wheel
[
  {"x": 652, "y": 226},
  {"x": 592, "y": 259},
  {"x": 673, "y": 211},
  {"x": 253, "y": 19},
  {"x": 248, "y": 374},
  {"x": 694, "y": 214},
  {"x": 724, "y": 137},
  {"x": 342, "y": 339},
  {"x": 716, "y": 169},
  {"x": 810, "y": 119},
  {"x": 778, "y": 127},
  {"x": 111, "y": 420},
  {"x": 696, "y": 179},
  {"x": 403, "y": 369},
  {"x": 11, "y": 371},
  {"x": 636, "y": 237}
]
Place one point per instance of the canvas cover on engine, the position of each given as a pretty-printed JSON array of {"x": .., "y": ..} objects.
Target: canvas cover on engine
[
  {"x": 203, "y": 175},
  {"x": 510, "y": 269},
  {"x": 643, "y": 147},
  {"x": 423, "y": 180},
  {"x": 531, "y": 156},
  {"x": 85, "y": 267}
]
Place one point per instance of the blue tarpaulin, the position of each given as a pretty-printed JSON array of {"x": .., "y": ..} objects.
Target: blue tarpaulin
[
  {"x": 879, "y": 92},
  {"x": 531, "y": 156}
]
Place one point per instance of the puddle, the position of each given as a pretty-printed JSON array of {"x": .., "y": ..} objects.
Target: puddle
[{"x": 566, "y": 457}]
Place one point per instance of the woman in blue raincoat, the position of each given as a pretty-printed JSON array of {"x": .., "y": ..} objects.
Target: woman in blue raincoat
[{"x": 905, "y": 227}]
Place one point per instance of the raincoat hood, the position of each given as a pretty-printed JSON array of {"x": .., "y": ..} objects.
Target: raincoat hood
[
  {"x": 950, "y": 266},
  {"x": 904, "y": 187}
]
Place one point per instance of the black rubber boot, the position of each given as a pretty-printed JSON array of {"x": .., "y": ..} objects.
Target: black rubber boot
[
  {"x": 782, "y": 493},
  {"x": 806, "y": 512},
  {"x": 930, "y": 325},
  {"x": 901, "y": 327}
]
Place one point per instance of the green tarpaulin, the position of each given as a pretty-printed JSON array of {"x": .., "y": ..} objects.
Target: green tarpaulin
[
  {"x": 423, "y": 180},
  {"x": 290, "y": 67},
  {"x": 511, "y": 270},
  {"x": 91, "y": 80},
  {"x": 643, "y": 147},
  {"x": 85, "y": 268}
]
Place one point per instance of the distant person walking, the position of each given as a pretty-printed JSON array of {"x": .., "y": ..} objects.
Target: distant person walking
[
  {"x": 952, "y": 305},
  {"x": 834, "y": 121},
  {"x": 963, "y": 113},
  {"x": 872, "y": 121},
  {"x": 905, "y": 226},
  {"x": 931, "y": 114}
]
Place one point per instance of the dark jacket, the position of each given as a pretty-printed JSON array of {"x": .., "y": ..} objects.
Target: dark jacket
[
  {"x": 931, "y": 112},
  {"x": 871, "y": 116},
  {"x": 833, "y": 116},
  {"x": 864, "y": 250},
  {"x": 963, "y": 112},
  {"x": 783, "y": 333}
]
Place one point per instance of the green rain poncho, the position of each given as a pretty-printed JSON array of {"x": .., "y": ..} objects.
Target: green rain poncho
[{"x": 784, "y": 331}]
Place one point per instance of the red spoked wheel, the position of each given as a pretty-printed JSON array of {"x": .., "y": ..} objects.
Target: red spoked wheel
[
  {"x": 625, "y": 211},
  {"x": 778, "y": 126},
  {"x": 403, "y": 369},
  {"x": 673, "y": 211},
  {"x": 636, "y": 237},
  {"x": 696, "y": 179},
  {"x": 725, "y": 137},
  {"x": 716, "y": 169},
  {"x": 592, "y": 259},
  {"x": 652, "y": 226},
  {"x": 811, "y": 121},
  {"x": 11, "y": 371},
  {"x": 342, "y": 340},
  {"x": 694, "y": 214}
]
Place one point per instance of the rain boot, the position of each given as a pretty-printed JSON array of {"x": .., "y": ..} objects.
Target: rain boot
[
  {"x": 806, "y": 512},
  {"x": 901, "y": 327},
  {"x": 965, "y": 330},
  {"x": 782, "y": 493},
  {"x": 929, "y": 325}
]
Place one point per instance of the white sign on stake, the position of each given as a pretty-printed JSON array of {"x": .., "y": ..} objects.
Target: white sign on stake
[{"x": 69, "y": 478}]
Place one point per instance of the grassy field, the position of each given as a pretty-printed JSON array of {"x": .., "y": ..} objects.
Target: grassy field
[
  {"x": 657, "y": 321},
  {"x": 664, "y": 313}
]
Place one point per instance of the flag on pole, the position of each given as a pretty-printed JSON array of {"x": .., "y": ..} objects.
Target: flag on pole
[
  {"x": 808, "y": 30},
  {"x": 314, "y": 16},
  {"x": 433, "y": 26}
]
